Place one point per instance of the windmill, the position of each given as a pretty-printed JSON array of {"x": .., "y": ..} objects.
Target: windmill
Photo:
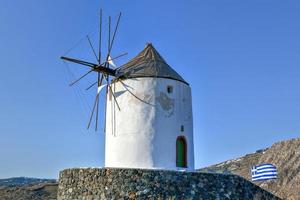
[
  {"x": 102, "y": 68},
  {"x": 157, "y": 100}
]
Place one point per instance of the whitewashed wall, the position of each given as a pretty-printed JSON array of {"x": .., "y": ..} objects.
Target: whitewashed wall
[{"x": 143, "y": 133}]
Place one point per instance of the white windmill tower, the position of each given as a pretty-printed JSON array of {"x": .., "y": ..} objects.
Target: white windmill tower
[{"x": 148, "y": 119}]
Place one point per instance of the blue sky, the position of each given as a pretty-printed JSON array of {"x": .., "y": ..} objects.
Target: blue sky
[{"x": 241, "y": 59}]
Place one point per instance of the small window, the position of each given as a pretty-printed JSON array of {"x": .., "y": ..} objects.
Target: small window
[
  {"x": 182, "y": 128},
  {"x": 170, "y": 89}
]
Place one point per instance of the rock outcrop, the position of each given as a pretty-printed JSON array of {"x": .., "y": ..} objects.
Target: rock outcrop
[
  {"x": 284, "y": 155},
  {"x": 37, "y": 191}
]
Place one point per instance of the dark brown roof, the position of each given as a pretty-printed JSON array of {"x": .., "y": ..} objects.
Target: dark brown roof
[{"x": 148, "y": 63}]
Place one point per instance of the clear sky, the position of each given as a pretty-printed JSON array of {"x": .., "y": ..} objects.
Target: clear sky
[{"x": 241, "y": 59}]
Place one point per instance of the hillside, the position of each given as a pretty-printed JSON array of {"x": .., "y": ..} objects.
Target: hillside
[
  {"x": 285, "y": 155},
  {"x": 21, "y": 181},
  {"x": 22, "y": 188}
]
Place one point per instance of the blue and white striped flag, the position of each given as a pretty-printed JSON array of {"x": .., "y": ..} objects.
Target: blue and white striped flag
[{"x": 263, "y": 172}]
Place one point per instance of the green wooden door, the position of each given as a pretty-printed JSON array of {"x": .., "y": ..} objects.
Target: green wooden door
[{"x": 181, "y": 154}]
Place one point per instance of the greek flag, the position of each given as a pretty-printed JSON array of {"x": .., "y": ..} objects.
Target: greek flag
[{"x": 263, "y": 172}]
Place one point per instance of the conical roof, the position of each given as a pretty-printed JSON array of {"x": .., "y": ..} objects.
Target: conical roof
[{"x": 148, "y": 63}]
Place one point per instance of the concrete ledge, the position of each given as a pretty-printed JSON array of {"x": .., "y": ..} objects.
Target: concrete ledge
[{"x": 118, "y": 183}]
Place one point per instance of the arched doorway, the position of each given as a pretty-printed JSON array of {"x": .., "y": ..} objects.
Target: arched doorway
[{"x": 181, "y": 152}]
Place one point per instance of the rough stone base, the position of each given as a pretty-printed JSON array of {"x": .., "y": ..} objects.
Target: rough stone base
[{"x": 113, "y": 183}]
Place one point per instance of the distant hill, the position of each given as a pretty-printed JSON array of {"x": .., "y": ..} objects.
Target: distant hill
[
  {"x": 21, "y": 181},
  {"x": 284, "y": 155},
  {"x": 22, "y": 188}
]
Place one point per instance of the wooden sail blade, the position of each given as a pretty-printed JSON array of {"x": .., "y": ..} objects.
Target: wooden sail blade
[
  {"x": 99, "y": 81},
  {"x": 114, "y": 58},
  {"x": 91, "y": 85},
  {"x": 108, "y": 43},
  {"x": 100, "y": 37},
  {"x": 105, "y": 108},
  {"x": 114, "y": 96},
  {"x": 93, "y": 110},
  {"x": 97, "y": 111},
  {"x": 81, "y": 62},
  {"x": 92, "y": 47},
  {"x": 76, "y": 81},
  {"x": 96, "y": 67},
  {"x": 114, "y": 35}
]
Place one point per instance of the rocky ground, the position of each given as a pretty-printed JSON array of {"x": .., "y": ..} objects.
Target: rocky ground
[
  {"x": 284, "y": 155},
  {"x": 28, "y": 189}
]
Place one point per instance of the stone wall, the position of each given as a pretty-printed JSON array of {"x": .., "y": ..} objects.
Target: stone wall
[{"x": 114, "y": 183}]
